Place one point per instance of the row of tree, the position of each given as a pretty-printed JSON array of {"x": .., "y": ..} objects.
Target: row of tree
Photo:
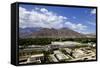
[{"x": 45, "y": 41}]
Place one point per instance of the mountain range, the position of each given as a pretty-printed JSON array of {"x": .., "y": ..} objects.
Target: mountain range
[{"x": 50, "y": 33}]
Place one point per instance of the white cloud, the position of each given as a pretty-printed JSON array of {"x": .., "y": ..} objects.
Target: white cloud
[
  {"x": 91, "y": 23},
  {"x": 77, "y": 27},
  {"x": 36, "y": 8},
  {"x": 41, "y": 17},
  {"x": 93, "y": 11},
  {"x": 43, "y": 10}
]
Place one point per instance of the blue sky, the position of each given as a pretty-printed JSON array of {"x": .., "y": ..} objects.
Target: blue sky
[{"x": 82, "y": 20}]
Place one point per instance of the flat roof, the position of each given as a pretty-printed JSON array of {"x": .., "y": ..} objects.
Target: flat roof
[{"x": 37, "y": 55}]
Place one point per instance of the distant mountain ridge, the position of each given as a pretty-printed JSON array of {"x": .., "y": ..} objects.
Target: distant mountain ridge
[
  {"x": 91, "y": 35},
  {"x": 49, "y": 33}
]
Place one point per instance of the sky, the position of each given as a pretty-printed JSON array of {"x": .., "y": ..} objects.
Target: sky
[{"x": 82, "y": 20}]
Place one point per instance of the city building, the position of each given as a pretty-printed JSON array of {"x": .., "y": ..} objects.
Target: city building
[{"x": 35, "y": 58}]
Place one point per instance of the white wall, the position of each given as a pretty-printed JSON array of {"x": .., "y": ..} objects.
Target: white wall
[{"x": 5, "y": 34}]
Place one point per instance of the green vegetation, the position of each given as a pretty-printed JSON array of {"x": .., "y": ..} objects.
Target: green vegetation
[
  {"x": 45, "y": 41},
  {"x": 35, "y": 41}
]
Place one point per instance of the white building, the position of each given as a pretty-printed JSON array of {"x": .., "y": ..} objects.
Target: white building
[
  {"x": 60, "y": 56},
  {"x": 52, "y": 58},
  {"x": 78, "y": 53},
  {"x": 66, "y": 43},
  {"x": 35, "y": 58},
  {"x": 68, "y": 50}
]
